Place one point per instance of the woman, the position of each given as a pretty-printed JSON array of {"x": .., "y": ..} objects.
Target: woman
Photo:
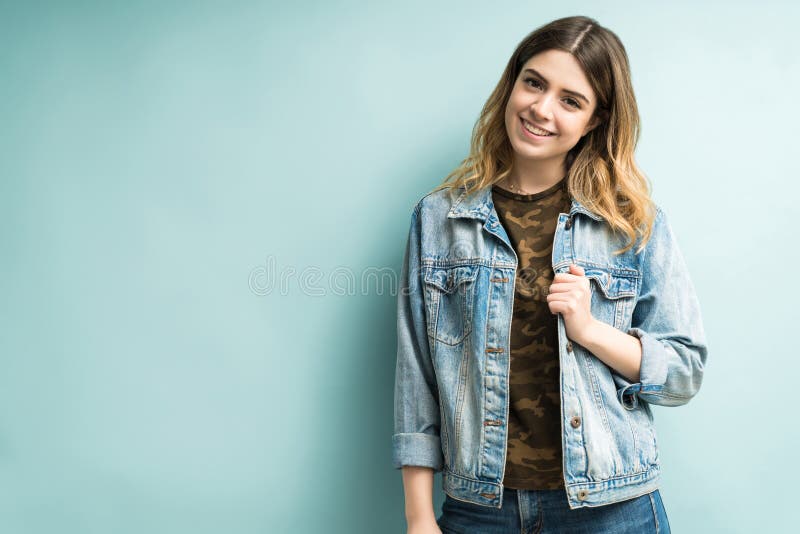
[{"x": 544, "y": 306}]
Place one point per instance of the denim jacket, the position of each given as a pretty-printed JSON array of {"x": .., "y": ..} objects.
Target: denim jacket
[{"x": 451, "y": 396}]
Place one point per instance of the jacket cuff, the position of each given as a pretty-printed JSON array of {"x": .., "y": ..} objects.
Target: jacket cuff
[
  {"x": 652, "y": 372},
  {"x": 424, "y": 450}
]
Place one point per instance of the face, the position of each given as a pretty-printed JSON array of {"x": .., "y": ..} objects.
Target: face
[{"x": 551, "y": 93}]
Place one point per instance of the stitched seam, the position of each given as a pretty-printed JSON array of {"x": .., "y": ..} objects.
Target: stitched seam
[
  {"x": 667, "y": 395},
  {"x": 655, "y": 514},
  {"x": 596, "y": 394},
  {"x": 539, "y": 516},
  {"x": 463, "y": 371}
]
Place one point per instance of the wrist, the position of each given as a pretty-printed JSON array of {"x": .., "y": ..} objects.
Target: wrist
[
  {"x": 415, "y": 516},
  {"x": 589, "y": 333}
]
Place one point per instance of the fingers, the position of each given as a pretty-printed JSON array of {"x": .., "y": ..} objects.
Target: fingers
[
  {"x": 580, "y": 283},
  {"x": 562, "y": 287},
  {"x": 566, "y": 277},
  {"x": 566, "y": 305},
  {"x": 576, "y": 273}
]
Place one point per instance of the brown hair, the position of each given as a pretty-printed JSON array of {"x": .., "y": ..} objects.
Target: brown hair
[{"x": 602, "y": 173}]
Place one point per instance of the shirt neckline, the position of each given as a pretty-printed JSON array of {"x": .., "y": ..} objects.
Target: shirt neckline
[{"x": 532, "y": 196}]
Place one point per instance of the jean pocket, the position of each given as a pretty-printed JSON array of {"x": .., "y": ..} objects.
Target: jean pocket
[
  {"x": 613, "y": 294},
  {"x": 659, "y": 513},
  {"x": 449, "y": 294}
]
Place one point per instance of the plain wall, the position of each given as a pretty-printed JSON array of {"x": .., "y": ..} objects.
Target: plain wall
[{"x": 204, "y": 206}]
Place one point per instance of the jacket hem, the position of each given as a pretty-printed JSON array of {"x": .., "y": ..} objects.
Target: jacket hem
[{"x": 579, "y": 494}]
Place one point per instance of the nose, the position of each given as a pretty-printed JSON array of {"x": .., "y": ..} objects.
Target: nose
[{"x": 541, "y": 107}]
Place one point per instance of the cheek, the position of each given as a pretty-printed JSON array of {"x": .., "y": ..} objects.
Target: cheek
[
  {"x": 571, "y": 129},
  {"x": 509, "y": 115},
  {"x": 509, "y": 125},
  {"x": 511, "y": 108},
  {"x": 517, "y": 101},
  {"x": 578, "y": 125},
  {"x": 511, "y": 118}
]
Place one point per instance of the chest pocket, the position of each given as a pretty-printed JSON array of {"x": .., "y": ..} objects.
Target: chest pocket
[
  {"x": 449, "y": 297},
  {"x": 613, "y": 295}
]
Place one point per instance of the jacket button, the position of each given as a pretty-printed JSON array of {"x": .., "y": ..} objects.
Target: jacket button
[
  {"x": 582, "y": 494},
  {"x": 576, "y": 421},
  {"x": 569, "y": 346},
  {"x": 568, "y": 224}
]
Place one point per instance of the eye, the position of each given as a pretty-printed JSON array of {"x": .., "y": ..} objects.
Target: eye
[
  {"x": 535, "y": 81},
  {"x": 570, "y": 101}
]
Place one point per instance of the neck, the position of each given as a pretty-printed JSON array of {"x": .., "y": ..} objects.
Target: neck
[{"x": 536, "y": 176}]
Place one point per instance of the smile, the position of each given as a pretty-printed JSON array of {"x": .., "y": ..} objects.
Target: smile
[{"x": 534, "y": 131}]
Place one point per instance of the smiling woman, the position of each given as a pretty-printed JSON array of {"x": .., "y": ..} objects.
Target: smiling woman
[
  {"x": 544, "y": 306},
  {"x": 544, "y": 120}
]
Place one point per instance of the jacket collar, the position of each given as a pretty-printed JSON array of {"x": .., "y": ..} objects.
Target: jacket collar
[{"x": 479, "y": 205}]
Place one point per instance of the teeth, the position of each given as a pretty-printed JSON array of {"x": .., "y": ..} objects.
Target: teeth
[{"x": 534, "y": 129}]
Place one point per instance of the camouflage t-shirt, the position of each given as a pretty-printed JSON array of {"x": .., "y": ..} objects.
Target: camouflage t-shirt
[{"x": 534, "y": 456}]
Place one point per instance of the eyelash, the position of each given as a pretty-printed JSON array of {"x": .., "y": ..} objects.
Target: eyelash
[{"x": 574, "y": 102}]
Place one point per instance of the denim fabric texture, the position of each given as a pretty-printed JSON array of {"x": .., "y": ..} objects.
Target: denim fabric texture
[
  {"x": 547, "y": 512},
  {"x": 454, "y": 312}
]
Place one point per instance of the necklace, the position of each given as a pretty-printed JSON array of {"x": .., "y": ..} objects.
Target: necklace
[{"x": 515, "y": 188}]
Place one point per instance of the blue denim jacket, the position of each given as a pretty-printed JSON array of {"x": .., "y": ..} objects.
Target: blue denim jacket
[{"x": 454, "y": 308}]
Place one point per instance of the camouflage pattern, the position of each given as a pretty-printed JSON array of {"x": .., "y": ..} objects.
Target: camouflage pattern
[{"x": 534, "y": 455}]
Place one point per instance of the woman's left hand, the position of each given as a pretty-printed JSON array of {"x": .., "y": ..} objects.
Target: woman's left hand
[{"x": 571, "y": 295}]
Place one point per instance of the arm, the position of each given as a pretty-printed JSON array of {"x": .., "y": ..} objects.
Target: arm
[
  {"x": 669, "y": 325},
  {"x": 416, "y": 440},
  {"x": 620, "y": 351},
  {"x": 418, "y": 486}
]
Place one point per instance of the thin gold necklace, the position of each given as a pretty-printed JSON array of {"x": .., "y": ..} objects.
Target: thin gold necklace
[
  {"x": 514, "y": 187},
  {"x": 517, "y": 189}
]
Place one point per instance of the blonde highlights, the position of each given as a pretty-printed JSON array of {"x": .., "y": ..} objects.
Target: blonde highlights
[{"x": 602, "y": 173}]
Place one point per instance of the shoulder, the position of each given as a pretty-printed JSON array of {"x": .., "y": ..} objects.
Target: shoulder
[
  {"x": 662, "y": 226},
  {"x": 663, "y": 245},
  {"x": 657, "y": 225},
  {"x": 437, "y": 202}
]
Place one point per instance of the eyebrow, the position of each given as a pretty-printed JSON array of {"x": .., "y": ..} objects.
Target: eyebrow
[{"x": 576, "y": 93}]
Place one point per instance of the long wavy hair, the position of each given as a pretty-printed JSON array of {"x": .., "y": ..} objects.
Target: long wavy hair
[{"x": 602, "y": 173}]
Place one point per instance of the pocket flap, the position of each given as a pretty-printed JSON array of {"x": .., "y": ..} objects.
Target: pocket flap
[
  {"x": 613, "y": 285},
  {"x": 449, "y": 278}
]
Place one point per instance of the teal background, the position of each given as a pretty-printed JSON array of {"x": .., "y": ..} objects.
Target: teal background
[{"x": 161, "y": 161}]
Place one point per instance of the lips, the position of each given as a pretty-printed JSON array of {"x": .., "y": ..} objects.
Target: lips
[{"x": 524, "y": 122}]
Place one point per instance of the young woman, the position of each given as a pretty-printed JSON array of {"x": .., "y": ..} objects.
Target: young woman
[{"x": 544, "y": 307}]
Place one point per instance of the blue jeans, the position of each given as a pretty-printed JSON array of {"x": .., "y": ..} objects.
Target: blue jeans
[{"x": 547, "y": 511}]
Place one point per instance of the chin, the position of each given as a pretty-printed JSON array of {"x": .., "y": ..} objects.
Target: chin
[{"x": 527, "y": 151}]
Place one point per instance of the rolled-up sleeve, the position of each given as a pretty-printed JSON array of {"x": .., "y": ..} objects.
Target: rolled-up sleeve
[
  {"x": 416, "y": 438},
  {"x": 668, "y": 322}
]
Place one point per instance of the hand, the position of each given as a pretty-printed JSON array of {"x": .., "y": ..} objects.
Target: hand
[
  {"x": 424, "y": 527},
  {"x": 571, "y": 296}
]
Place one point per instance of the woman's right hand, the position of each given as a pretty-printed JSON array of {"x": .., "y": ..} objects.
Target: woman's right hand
[{"x": 424, "y": 527}]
